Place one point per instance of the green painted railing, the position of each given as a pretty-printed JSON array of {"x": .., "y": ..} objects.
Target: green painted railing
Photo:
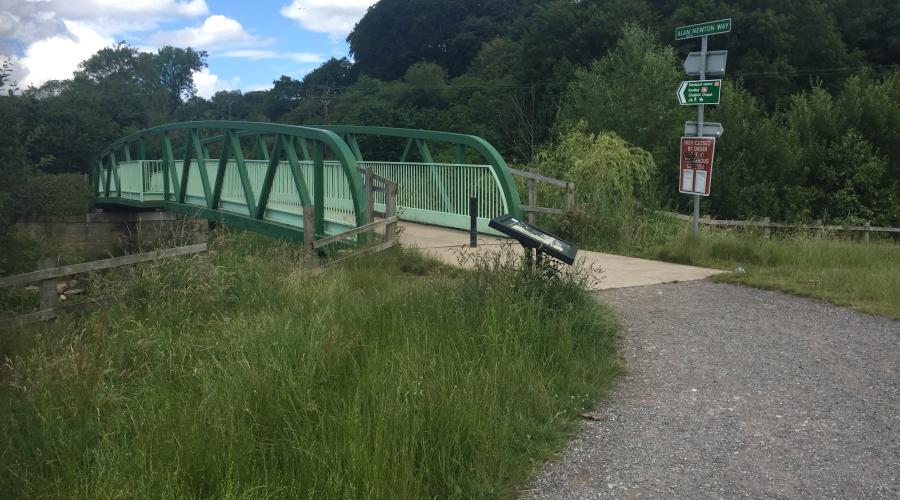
[
  {"x": 421, "y": 199},
  {"x": 261, "y": 184},
  {"x": 260, "y": 176}
]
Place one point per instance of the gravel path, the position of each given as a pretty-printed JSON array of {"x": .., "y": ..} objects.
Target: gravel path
[{"x": 738, "y": 392}]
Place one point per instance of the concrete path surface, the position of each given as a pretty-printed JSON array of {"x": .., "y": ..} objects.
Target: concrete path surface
[
  {"x": 615, "y": 271},
  {"x": 734, "y": 392}
]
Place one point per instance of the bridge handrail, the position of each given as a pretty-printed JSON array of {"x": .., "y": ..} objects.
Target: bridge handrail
[
  {"x": 334, "y": 142},
  {"x": 482, "y": 147}
]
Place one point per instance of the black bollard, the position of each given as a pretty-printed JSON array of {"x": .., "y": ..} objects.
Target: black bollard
[{"x": 473, "y": 222}]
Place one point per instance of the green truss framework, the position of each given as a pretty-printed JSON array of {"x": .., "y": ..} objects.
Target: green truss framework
[{"x": 289, "y": 143}]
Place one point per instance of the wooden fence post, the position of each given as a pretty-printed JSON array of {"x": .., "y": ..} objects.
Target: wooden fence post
[
  {"x": 532, "y": 198},
  {"x": 767, "y": 231},
  {"x": 47, "y": 287},
  {"x": 820, "y": 229},
  {"x": 309, "y": 227},
  {"x": 390, "y": 210},
  {"x": 866, "y": 232},
  {"x": 570, "y": 197}
]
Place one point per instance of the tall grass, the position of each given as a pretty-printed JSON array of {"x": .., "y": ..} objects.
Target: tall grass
[
  {"x": 244, "y": 375},
  {"x": 846, "y": 272}
]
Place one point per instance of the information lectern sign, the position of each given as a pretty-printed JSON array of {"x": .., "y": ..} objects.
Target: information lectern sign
[{"x": 532, "y": 237}]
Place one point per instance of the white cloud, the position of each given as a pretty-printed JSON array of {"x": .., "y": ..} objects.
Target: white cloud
[
  {"x": 60, "y": 34},
  {"x": 58, "y": 57},
  {"x": 335, "y": 17},
  {"x": 209, "y": 83},
  {"x": 216, "y": 32},
  {"x": 300, "y": 57},
  {"x": 32, "y": 20}
]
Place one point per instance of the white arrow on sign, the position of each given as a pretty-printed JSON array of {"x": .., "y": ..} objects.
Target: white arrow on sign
[
  {"x": 715, "y": 63},
  {"x": 710, "y": 129}
]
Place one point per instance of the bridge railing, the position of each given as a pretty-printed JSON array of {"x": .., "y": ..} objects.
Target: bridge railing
[
  {"x": 420, "y": 198},
  {"x": 258, "y": 180},
  {"x": 265, "y": 176}
]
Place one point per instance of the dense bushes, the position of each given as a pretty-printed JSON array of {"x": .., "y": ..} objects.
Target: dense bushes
[
  {"x": 613, "y": 179},
  {"x": 824, "y": 156},
  {"x": 43, "y": 194}
]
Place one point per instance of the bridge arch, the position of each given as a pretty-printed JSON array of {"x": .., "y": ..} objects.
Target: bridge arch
[
  {"x": 453, "y": 182},
  {"x": 266, "y": 173},
  {"x": 178, "y": 183}
]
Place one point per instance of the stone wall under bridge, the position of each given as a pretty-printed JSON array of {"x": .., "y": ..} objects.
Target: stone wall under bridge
[{"x": 100, "y": 234}]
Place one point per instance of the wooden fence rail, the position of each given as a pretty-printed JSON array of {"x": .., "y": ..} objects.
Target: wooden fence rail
[
  {"x": 766, "y": 224},
  {"x": 532, "y": 208},
  {"x": 389, "y": 221},
  {"x": 47, "y": 274}
]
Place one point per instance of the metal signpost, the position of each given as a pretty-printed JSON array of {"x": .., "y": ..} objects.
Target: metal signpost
[{"x": 696, "y": 173}]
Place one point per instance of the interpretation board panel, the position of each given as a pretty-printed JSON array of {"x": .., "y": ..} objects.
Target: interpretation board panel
[{"x": 533, "y": 237}]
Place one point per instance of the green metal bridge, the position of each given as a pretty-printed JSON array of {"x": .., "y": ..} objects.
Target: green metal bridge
[{"x": 265, "y": 176}]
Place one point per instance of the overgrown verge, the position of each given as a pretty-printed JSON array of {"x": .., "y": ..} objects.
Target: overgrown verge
[
  {"x": 241, "y": 374},
  {"x": 861, "y": 275},
  {"x": 616, "y": 213}
]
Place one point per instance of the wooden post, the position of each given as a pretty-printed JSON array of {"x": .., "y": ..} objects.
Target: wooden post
[
  {"x": 47, "y": 287},
  {"x": 370, "y": 197},
  {"x": 390, "y": 210},
  {"x": 820, "y": 229},
  {"x": 309, "y": 227},
  {"x": 767, "y": 231},
  {"x": 866, "y": 232},
  {"x": 570, "y": 197},
  {"x": 532, "y": 197}
]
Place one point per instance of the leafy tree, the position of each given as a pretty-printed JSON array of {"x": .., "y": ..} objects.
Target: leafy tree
[
  {"x": 7, "y": 85},
  {"x": 337, "y": 73},
  {"x": 284, "y": 95},
  {"x": 173, "y": 69},
  {"x": 229, "y": 105},
  {"x": 394, "y": 34},
  {"x": 621, "y": 92},
  {"x": 614, "y": 179}
]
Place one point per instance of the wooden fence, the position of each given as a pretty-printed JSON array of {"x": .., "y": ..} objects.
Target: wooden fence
[
  {"x": 532, "y": 208},
  {"x": 47, "y": 274},
  {"x": 766, "y": 225}
]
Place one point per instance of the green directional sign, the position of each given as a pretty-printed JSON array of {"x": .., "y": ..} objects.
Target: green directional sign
[
  {"x": 703, "y": 29},
  {"x": 695, "y": 93}
]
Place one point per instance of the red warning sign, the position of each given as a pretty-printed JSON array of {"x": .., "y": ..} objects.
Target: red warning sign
[{"x": 696, "y": 164}]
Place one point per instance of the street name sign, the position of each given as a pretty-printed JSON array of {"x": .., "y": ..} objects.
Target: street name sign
[
  {"x": 697, "y": 155},
  {"x": 533, "y": 237},
  {"x": 698, "y": 92},
  {"x": 715, "y": 63},
  {"x": 710, "y": 129},
  {"x": 703, "y": 29}
]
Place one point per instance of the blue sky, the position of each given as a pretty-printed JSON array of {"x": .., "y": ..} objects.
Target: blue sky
[{"x": 250, "y": 43}]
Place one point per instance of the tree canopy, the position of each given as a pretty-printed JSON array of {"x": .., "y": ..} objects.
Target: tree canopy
[{"x": 810, "y": 99}]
